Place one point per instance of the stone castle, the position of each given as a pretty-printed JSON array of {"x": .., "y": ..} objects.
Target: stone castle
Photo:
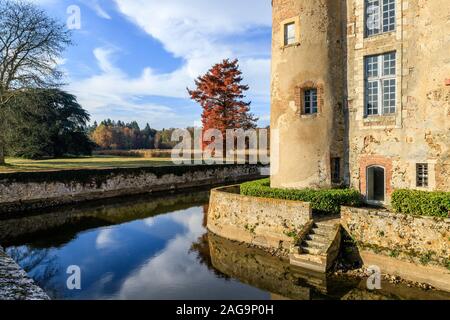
[{"x": 360, "y": 95}]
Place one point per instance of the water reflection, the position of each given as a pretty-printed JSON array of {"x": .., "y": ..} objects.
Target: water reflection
[
  {"x": 159, "y": 248},
  {"x": 137, "y": 249}
]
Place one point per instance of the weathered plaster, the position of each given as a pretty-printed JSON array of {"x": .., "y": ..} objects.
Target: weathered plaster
[
  {"x": 308, "y": 142},
  {"x": 330, "y": 54}
]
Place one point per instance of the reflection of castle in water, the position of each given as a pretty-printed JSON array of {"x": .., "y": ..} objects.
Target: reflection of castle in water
[
  {"x": 261, "y": 270},
  {"x": 284, "y": 281}
]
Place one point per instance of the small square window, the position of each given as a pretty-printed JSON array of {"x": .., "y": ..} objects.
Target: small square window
[
  {"x": 289, "y": 34},
  {"x": 310, "y": 101},
  {"x": 335, "y": 170},
  {"x": 422, "y": 175}
]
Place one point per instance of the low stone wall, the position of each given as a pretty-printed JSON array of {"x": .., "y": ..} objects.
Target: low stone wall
[
  {"x": 32, "y": 190},
  {"x": 416, "y": 248},
  {"x": 268, "y": 223},
  {"x": 15, "y": 283}
]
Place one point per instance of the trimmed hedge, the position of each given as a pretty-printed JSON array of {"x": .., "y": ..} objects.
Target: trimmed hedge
[
  {"x": 424, "y": 203},
  {"x": 327, "y": 201}
]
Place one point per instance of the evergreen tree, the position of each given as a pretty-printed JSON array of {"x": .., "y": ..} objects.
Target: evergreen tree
[{"x": 46, "y": 123}]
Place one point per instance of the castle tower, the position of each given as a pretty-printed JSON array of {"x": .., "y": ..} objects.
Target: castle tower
[{"x": 308, "y": 93}]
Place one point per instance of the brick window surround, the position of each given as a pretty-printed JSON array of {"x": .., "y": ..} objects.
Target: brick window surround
[
  {"x": 300, "y": 96},
  {"x": 369, "y": 161}
]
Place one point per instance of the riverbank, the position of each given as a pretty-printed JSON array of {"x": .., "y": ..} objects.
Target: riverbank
[
  {"x": 15, "y": 283},
  {"x": 25, "y": 191}
]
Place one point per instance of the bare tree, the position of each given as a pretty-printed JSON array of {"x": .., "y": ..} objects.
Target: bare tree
[{"x": 31, "y": 43}]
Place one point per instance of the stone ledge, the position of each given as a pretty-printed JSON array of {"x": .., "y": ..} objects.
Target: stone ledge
[
  {"x": 15, "y": 283},
  {"x": 436, "y": 276},
  {"x": 20, "y": 192}
]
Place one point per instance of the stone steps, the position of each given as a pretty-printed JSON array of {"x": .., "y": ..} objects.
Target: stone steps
[
  {"x": 320, "y": 232},
  {"x": 317, "y": 238},
  {"x": 312, "y": 254},
  {"x": 309, "y": 262}
]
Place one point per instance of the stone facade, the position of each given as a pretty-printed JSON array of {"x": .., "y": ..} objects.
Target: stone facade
[
  {"x": 418, "y": 246},
  {"x": 330, "y": 54},
  {"x": 268, "y": 223},
  {"x": 34, "y": 190}
]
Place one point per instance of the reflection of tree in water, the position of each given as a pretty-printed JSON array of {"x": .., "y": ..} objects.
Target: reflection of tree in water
[
  {"x": 39, "y": 263},
  {"x": 201, "y": 248}
]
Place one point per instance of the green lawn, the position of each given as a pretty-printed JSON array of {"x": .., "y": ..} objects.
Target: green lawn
[{"x": 16, "y": 164}]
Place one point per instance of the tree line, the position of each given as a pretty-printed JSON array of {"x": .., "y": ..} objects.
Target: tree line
[{"x": 112, "y": 135}]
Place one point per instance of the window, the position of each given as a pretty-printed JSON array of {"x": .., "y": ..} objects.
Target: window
[
  {"x": 289, "y": 33},
  {"x": 422, "y": 174},
  {"x": 310, "y": 101},
  {"x": 335, "y": 170},
  {"x": 375, "y": 184},
  {"x": 380, "y": 16},
  {"x": 380, "y": 84}
]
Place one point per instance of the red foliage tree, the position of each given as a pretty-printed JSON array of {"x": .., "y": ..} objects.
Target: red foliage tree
[{"x": 220, "y": 94}]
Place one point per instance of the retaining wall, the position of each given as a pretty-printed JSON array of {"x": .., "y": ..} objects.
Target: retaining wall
[
  {"x": 413, "y": 247},
  {"x": 33, "y": 190},
  {"x": 268, "y": 223}
]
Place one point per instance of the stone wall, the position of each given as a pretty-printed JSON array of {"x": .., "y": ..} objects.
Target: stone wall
[
  {"x": 32, "y": 190},
  {"x": 421, "y": 240},
  {"x": 15, "y": 284},
  {"x": 414, "y": 248},
  {"x": 268, "y": 223},
  {"x": 418, "y": 132},
  {"x": 307, "y": 142}
]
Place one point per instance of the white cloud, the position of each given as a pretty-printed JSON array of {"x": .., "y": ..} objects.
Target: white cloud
[
  {"x": 104, "y": 239},
  {"x": 98, "y": 9},
  {"x": 201, "y": 33}
]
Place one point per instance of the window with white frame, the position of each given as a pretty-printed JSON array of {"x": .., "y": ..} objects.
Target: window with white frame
[
  {"x": 422, "y": 175},
  {"x": 380, "y": 16},
  {"x": 380, "y": 88},
  {"x": 310, "y": 101},
  {"x": 289, "y": 33}
]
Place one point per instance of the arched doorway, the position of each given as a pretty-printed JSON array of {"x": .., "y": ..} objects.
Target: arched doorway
[{"x": 376, "y": 184}]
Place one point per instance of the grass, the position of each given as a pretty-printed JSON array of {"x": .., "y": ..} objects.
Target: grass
[{"x": 95, "y": 162}]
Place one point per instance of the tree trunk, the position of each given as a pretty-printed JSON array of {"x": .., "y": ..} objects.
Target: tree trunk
[{"x": 2, "y": 154}]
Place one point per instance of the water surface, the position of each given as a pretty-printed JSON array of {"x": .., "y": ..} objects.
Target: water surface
[{"x": 157, "y": 247}]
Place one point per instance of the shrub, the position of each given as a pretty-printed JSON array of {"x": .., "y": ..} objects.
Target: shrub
[
  {"x": 327, "y": 200},
  {"x": 424, "y": 203}
]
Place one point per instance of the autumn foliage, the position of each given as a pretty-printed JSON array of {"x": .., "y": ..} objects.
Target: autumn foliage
[{"x": 221, "y": 95}]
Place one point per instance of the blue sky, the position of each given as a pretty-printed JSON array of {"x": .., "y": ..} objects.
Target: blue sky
[{"x": 133, "y": 59}]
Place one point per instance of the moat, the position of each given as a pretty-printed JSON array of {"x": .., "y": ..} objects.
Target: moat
[{"x": 157, "y": 247}]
